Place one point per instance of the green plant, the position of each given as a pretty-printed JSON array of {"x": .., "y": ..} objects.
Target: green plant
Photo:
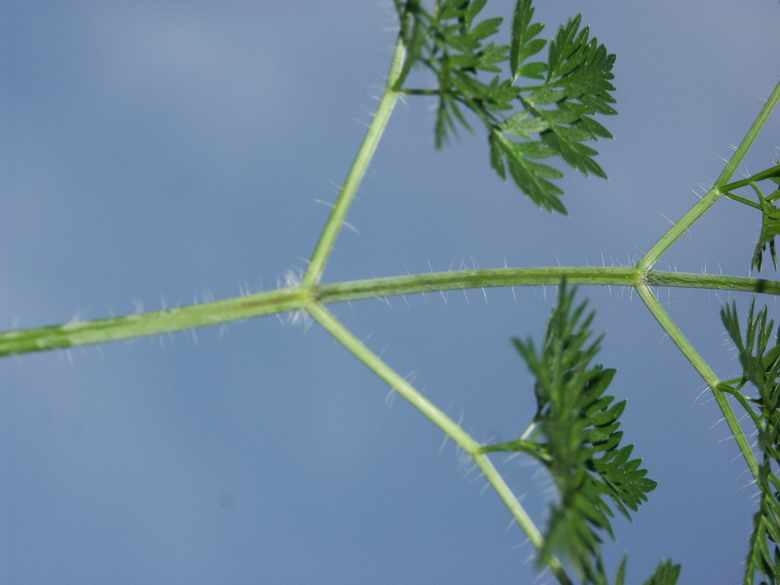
[{"x": 553, "y": 116}]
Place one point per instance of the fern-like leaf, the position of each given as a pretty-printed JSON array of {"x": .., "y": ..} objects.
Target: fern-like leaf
[
  {"x": 770, "y": 214},
  {"x": 770, "y": 227},
  {"x": 577, "y": 85},
  {"x": 761, "y": 367},
  {"x": 553, "y": 118},
  {"x": 581, "y": 446},
  {"x": 666, "y": 573}
]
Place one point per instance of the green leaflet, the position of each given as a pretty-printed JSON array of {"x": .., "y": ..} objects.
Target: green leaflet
[
  {"x": 665, "y": 573},
  {"x": 551, "y": 119},
  {"x": 524, "y": 43},
  {"x": 770, "y": 220},
  {"x": 761, "y": 367},
  {"x": 578, "y": 439},
  {"x": 770, "y": 224},
  {"x": 770, "y": 227}
]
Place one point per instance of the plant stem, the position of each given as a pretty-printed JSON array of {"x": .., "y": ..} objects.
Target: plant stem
[
  {"x": 677, "y": 230},
  {"x": 704, "y": 370},
  {"x": 753, "y": 179},
  {"x": 687, "y": 220},
  {"x": 77, "y": 333},
  {"x": 284, "y": 300},
  {"x": 749, "y": 139},
  {"x": 355, "y": 176},
  {"x": 450, "y": 428},
  {"x": 549, "y": 275},
  {"x": 397, "y": 382}
]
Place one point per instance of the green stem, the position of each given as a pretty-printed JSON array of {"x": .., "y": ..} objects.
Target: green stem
[
  {"x": 78, "y": 333},
  {"x": 397, "y": 382},
  {"x": 687, "y": 220},
  {"x": 773, "y": 172},
  {"x": 441, "y": 420},
  {"x": 743, "y": 200},
  {"x": 704, "y": 370},
  {"x": 355, "y": 176},
  {"x": 284, "y": 300},
  {"x": 549, "y": 275},
  {"x": 750, "y": 138},
  {"x": 677, "y": 230},
  {"x": 712, "y": 282}
]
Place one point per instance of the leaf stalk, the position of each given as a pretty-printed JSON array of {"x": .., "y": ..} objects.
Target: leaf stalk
[{"x": 701, "y": 366}]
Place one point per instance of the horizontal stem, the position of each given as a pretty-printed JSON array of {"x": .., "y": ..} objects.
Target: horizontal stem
[
  {"x": 713, "y": 282},
  {"x": 550, "y": 275},
  {"x": 285, "y": 300},
  {"x": 464, "y": 279},
  {"x": 77, "y": 333}
]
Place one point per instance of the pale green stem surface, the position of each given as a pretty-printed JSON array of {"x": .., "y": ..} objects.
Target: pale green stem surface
[
  {"x": 356, "y": 173},
  {"x": 450, "y": 428},
  {"x": 704, "y": 370},
  {"x": 666, "y": 241},
  {"x": 686, "y": 221},
  {"x": 77, "y": 333}
]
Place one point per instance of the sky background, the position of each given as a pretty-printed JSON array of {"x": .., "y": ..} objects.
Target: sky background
[{"x": 155, "y": 153}]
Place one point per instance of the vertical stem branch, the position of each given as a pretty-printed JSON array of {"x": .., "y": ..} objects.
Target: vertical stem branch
[
  {"x": 355, "y": 176},
  {"x": 687, "y": 220},
  {"x": 750, "y": 137}
]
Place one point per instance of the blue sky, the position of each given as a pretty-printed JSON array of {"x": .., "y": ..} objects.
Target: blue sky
[{"x": 160, "y": 153}]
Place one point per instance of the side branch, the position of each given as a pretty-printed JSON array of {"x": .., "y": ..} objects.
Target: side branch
[
  {"x": 687, "y": 220},
  {"x": 441, "y": 420},
  {"x": 704, "y": 370},
  {"x": 355, "y": 176}
]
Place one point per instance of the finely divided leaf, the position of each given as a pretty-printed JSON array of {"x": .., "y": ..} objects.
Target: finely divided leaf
[
  {"x": 770, "y": 224},
  {"x": 578, "y": 438},
  {"x": 761, "y": 367},
  {"x": 665, "y": 573},
  {"x": 531, "y": 177},
  {"x": 770, "y": 227},
  {"x": 552, "y": 118},
  {"x": 524, "y": 44}
]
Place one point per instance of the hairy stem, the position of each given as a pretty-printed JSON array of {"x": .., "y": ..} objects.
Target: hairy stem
[
  {"x": 687, "y": 220},
  {"x": 452, "y": 429},
  {"x": 704, "y": 370},
  {"x": 78, "y": 333},
  {"x": 355, "y": 176}
]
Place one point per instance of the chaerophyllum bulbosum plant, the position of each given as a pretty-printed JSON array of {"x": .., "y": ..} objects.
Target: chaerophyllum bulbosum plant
[{"x": 541, "y": 97}]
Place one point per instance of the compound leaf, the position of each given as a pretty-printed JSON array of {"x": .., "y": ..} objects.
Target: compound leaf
[
  {"x": 553, "y": 118},
  {"x": 770, "y": 227},
  {"x": 761, "y": 367},
  {"x": 581, "y": 449},
  {"x": 666, "y": 573}
]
